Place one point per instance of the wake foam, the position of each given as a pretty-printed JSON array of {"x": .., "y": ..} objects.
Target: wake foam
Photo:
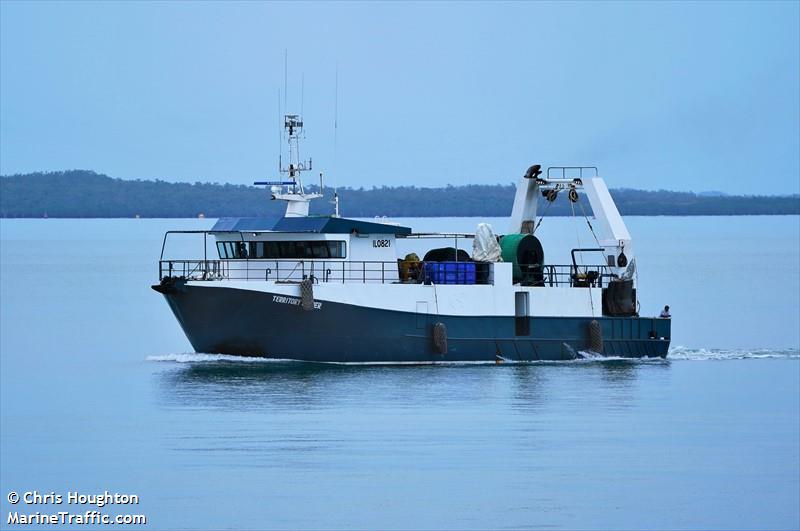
[
  {"x": 194, "y": 357},
  {"x": 675, "y": 354},
  {"x": 703, "y": 354}
]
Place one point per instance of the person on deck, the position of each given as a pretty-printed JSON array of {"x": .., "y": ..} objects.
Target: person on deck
[{"x": 665, "y": 313}]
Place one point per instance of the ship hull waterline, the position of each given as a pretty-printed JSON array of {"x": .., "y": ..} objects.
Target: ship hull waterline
[{"x": 251, "y": 323}]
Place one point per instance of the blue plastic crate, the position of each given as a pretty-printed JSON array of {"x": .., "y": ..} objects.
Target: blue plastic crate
[{"x": 449, "y": 272}]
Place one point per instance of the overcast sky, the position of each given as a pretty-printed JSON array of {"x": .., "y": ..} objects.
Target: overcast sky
[{"x": 681, "y": 96}]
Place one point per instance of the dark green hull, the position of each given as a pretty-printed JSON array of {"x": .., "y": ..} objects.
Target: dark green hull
[{"x": 250, "y": 323}]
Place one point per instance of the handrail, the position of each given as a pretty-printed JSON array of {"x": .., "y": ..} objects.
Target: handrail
[
  {"x": 283, "y": 270},
  {"x": 164, "y": 241},
  {"x": 565, "y": 168},
  {"x": 325, "y": 271},
  {"x": 582, "y": 276},
  {"x": 584, "y": 250}
]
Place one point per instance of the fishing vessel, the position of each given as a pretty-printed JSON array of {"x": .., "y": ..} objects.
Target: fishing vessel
[{"x": 325, "y": 288}]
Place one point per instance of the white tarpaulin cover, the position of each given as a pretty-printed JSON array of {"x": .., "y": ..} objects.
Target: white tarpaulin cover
[
  {"x": 485, "y": 247},
  {"x": 630, "y": 271}
]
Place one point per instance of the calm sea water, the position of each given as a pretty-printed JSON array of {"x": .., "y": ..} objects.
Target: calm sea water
[{"x": 99, "y": 390}]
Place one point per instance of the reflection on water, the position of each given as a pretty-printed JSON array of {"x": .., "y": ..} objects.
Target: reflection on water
[{"x": 250, "y": 384}]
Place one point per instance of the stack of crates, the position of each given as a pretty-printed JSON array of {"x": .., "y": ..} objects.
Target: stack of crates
[{"x": 449, "y": 273}]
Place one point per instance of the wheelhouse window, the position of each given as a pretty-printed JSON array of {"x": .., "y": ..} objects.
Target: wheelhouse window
[
  {"x": 299, "y": 250},
  {"x": 232, "y": 249}
]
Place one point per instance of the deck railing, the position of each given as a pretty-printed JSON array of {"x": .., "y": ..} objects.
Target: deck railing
[
  {"x": 575, "y": 276},
  {"x": 281, "y": 270},
  {"x": 368, "y": 272}
]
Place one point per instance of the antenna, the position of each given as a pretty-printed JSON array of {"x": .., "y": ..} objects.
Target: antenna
[
  {"x": 280, "y": 131},
  {"x": 285, "y": 75},
  {"x": 335, "y": 142},
  {"x": 335, "y": 114}
]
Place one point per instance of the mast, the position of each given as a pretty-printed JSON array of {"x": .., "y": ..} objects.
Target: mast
[{"x": 291, "y": 190}]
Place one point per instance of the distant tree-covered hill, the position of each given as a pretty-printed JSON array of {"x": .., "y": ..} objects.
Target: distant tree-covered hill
[{"x": 86, "y": 194}]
